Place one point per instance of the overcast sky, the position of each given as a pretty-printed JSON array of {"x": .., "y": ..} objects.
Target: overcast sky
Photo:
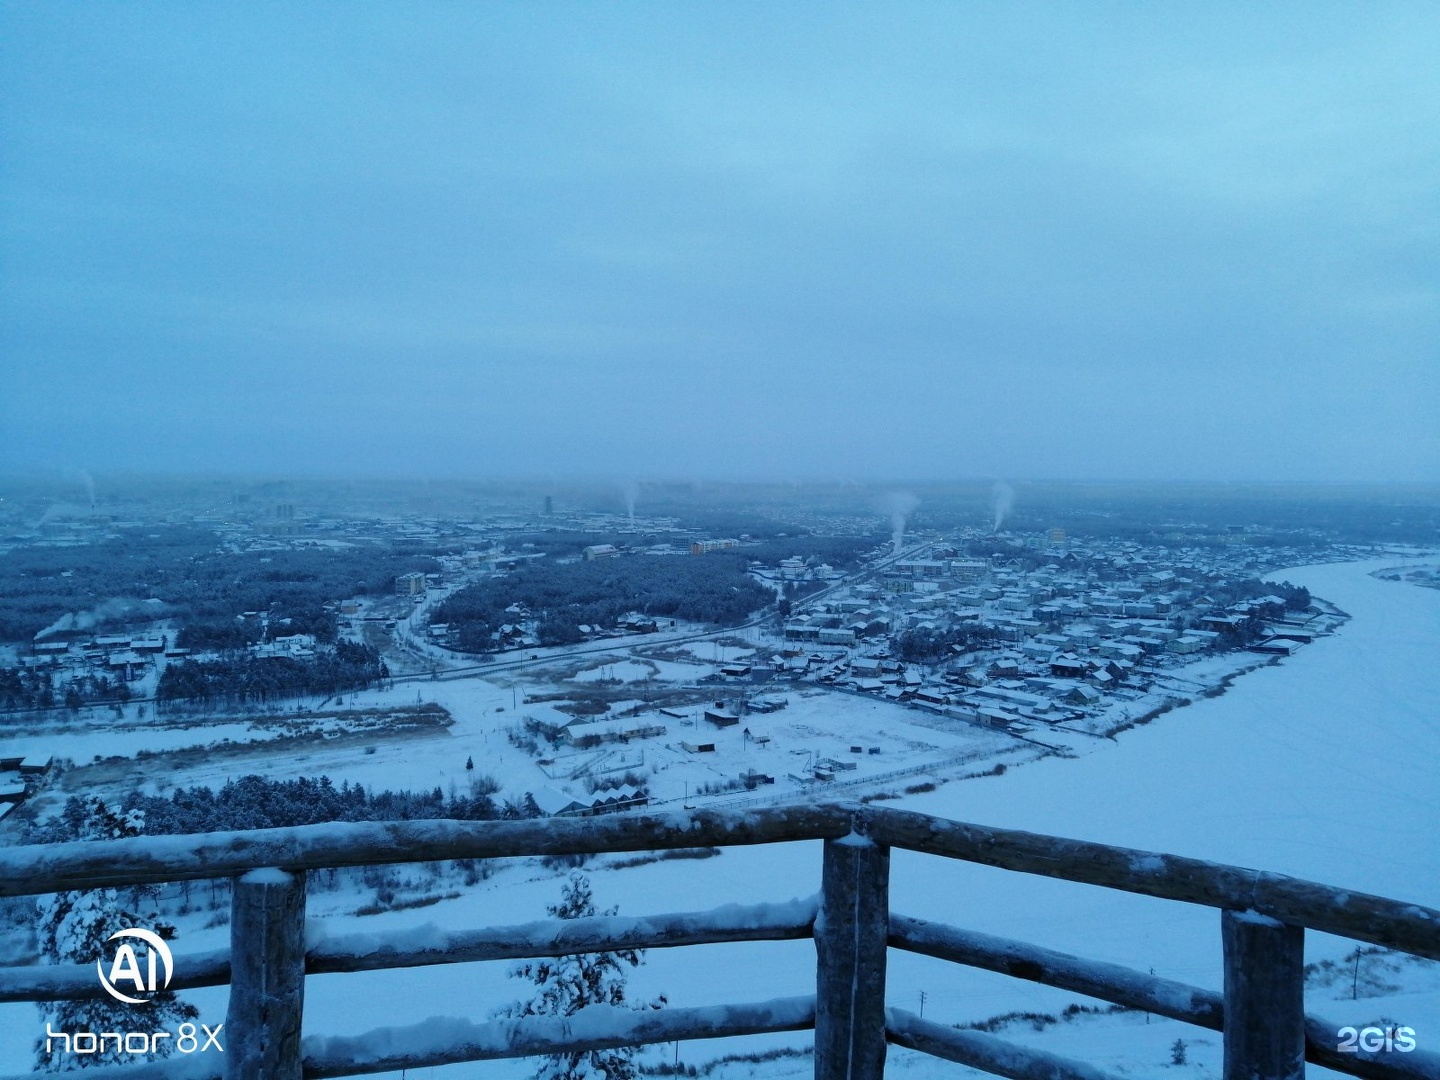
[{"x": 1155, "y": 241}]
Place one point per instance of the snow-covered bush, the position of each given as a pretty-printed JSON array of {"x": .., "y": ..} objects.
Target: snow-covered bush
[
  {"x": 566, "y": 984},
  {"x": 74, "y": 928}
]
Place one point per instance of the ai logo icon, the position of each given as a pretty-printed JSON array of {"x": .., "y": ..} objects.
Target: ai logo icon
[{"x": 125, "y": 968}]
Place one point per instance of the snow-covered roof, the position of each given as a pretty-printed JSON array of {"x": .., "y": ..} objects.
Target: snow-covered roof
[{"x": 552, "y": 802}]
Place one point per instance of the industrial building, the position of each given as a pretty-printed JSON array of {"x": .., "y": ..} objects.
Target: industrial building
[{"x": 412, "y": 584}]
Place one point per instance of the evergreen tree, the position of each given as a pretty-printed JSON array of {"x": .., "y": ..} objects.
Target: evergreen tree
[
  {"x": 566, "y": 984},
  {"x": 1177, "y": 1052},
  {"x": 75, "y": 927}
]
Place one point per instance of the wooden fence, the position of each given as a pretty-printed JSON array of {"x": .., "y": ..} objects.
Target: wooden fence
[{"x": 1263, "y": 917}]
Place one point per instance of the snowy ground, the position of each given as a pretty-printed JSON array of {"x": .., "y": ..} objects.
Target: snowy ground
[
  {"x": 623, "y": 671},
  {"x": 1321, "y": 766},
  {"x": 100, "y": 736},
  {"x": 899, "y": 746},
  {"x": 720, "y": 654}
]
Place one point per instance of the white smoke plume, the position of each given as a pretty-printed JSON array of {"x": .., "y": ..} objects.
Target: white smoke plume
[
  {"x": 87, "y": 620},
  {"x": 631, "y": 491},
  {"x": 899, "y": 505},
  {"x": 1002, "y": 501},
  {"x": 63, "y": 511}
]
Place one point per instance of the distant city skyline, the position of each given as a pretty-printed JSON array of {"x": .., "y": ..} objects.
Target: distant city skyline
[{"x": 913, "y": 243}]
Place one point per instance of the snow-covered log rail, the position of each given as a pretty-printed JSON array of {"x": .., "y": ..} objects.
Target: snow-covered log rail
[
  {"x": 43, "y": 868},
  {"x": 1135, "y": 990},
  {"x": 1376, "y": 919},
  {"x": 1263, "y": 918},
  {"x": 440, "y": 1041},
  {"x": 77, "y": 982},
  {"x": 1021, "y": 960},
  {"x": 984, "y": 1052},
  {"x": 428, "y": 945}
]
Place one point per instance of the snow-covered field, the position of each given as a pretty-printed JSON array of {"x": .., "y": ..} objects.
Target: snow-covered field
[
  {"x": 898, "y": 745},
  {"x": 83, "y": 741},
  {"x": 1321, "y": 766},
  {"x": 624, "y": 671}
]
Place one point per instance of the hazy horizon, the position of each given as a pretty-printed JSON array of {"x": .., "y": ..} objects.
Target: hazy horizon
[{"x": 80, "y": 478}]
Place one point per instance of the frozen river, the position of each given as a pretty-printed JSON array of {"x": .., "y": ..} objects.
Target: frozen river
[{"x": 1322, "y": 766}]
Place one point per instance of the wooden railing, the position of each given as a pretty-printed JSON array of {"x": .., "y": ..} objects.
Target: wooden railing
[{"x": 1267, "y": 1035}]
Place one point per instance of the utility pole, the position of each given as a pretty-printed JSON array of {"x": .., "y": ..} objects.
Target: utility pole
[{"x": 922, "y": 1004}]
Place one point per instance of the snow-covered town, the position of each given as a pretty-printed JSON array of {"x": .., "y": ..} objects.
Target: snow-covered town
[{"x": 965, "y": 651}]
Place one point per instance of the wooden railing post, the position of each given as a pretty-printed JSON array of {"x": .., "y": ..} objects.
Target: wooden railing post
[
  {"x": 1264, "y": 997},
  {"x": 851, "y": 932},
  {"x": 267, "y": 976}
]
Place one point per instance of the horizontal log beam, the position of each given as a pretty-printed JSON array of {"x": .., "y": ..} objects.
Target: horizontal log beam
[
  {"x": 429, "y": 944},
  {"x": 1392, "y": 923},
  {"x": 77, "y": 982},
  {"x": 1136, "y": 990},
  {"x": 984, "y": 1052},
  {"x": 44, "y": 868},
  {"x": 559, "y": 937},
  {"x": 1093, "y": 978},
  {"x": 443, "y": 1041},
  {"x": 209, "y": 1066},
  {"x": 1321, "y": 1038},
  {"x": 1320, "y": 1050}
]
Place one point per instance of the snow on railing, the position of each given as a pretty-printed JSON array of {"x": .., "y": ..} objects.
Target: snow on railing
[
  {"x": 1266, "y": 1032},
  {"x": 428, "y": 944},
  {"x": 440, "y": 1041},
  {"x": 141, "y": 860}
]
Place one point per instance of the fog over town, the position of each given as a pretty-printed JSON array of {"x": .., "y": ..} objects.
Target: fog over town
[{"x": 749, "y": 541}]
